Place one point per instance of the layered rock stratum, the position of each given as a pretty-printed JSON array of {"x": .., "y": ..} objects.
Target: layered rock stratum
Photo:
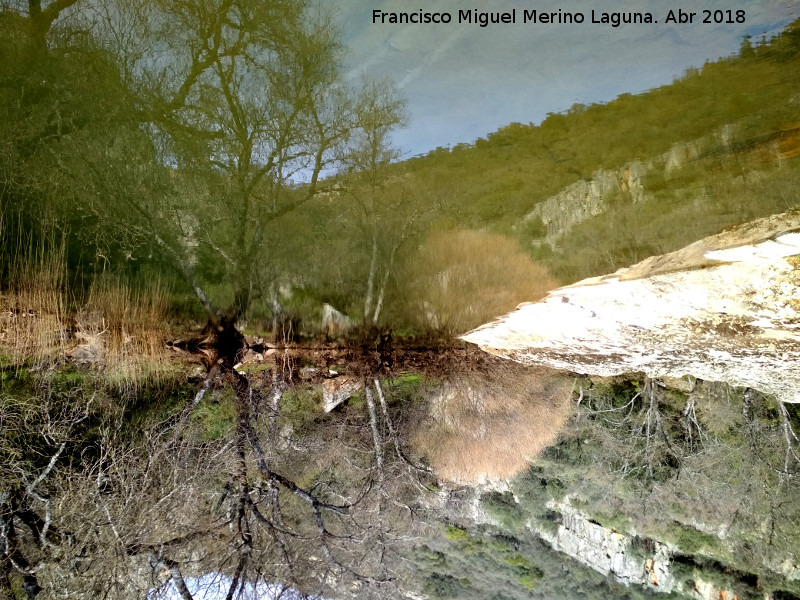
[{"x": 726, "y": 308}]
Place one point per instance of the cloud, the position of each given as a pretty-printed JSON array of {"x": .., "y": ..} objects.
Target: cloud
[{"x": 463, "y": 81}]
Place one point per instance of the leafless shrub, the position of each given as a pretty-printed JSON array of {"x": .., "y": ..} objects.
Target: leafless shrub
[
  {"x": 461, "y": 279},
  {"x": 488, "y": 425}
]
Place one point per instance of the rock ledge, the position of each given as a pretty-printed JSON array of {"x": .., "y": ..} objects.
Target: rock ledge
[{"x": 726, "y": 308}]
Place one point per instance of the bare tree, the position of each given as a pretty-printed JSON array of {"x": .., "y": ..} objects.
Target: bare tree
[
  {"x": 383, "y": 209},
  {"x": 155, "y": 507},
  {"x": 642, "y": 435},
  {"x": 233, "y": 102}
]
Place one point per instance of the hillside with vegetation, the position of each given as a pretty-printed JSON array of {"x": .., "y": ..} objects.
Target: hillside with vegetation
[
  {"x": 715, "y": 148},
  {"x": 227, "y": 311}
]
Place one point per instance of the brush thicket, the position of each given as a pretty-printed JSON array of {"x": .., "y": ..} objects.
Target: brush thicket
[{"x": 487, "y": 426}]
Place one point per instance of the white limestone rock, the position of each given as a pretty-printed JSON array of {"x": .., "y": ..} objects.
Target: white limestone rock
[
  {"x": 726, "y": 308},
  {"x": 610, "y": 552},
  {"x": 338, "y": 389}
]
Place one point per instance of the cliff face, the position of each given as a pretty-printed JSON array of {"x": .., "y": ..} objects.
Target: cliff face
[
  {"x": 610, "y": 552},
  {"x": 627, "y": 558},
  {"x": 726, "y": 308},
  {"x": 590, "y": 197}
]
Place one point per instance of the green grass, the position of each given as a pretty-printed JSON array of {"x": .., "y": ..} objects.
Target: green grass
[
  {"x": 617, "y": 522},
  {"x": 504, "y": 508},
  {"x": 301, "y": 406},
  {"x": 693, "y": 541},
  {"x": 530, "y": 578},
  {"x": 215, "y": 417},
  {"x": 517, "y": 560},
  {"x": 257, "y": 367},
  {"x": 456, "y": 534}
]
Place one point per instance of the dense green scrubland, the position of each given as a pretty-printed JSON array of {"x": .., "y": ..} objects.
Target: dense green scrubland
[{"x": 708, "y": 472}]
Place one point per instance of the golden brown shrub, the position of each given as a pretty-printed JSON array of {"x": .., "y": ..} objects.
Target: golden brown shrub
[
  {"x": 488, "y": 425},
  {"x": 461, "y": 279}
]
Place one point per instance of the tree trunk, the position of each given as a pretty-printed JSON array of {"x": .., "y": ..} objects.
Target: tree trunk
[
  {"x": 42, "y": 20},
  {"x": 373, "y": 267},
  {"x": 377, "y": 438},
  {"x": 276, "y": 308},
  {"x": 382, "y": 291}
]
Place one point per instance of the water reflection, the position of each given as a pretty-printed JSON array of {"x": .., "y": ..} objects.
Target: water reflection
[{"x": 214, "y": 586}]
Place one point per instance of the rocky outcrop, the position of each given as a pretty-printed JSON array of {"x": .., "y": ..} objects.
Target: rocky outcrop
[
  {"x": 610, "y": 552},
  {"x": 334, "y": 322},
  {"x": 590, "y": 197},
  {"x": 629, "y": 559},
  {"x": 726, "y": 308},
  {"x": 338, "y": 389}
]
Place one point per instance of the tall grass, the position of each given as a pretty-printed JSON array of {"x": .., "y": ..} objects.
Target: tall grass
[
  {"x": 117, "y": 327},
  {"x": 33, "y": 317},
  {"x": 126, "y": 325}
]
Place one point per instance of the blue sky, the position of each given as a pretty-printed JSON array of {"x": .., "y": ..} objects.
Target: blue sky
[{"x": 463, "y": 81}]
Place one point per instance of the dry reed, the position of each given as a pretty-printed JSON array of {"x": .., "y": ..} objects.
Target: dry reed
[
  {"x": 33, "y": 317},
  {"x": 120, "y": 330}
]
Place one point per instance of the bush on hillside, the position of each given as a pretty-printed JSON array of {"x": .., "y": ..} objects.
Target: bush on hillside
[{"x": 461, "y": 279}]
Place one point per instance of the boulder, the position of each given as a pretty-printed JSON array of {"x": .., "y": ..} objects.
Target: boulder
[
  {"x": 334, "y": 322},
  {"x": 90, "y": 349},
  {"x": 338, "y": 389}
]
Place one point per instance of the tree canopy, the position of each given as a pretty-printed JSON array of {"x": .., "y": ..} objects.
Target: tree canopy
[{"x": 181, "y": 129}]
